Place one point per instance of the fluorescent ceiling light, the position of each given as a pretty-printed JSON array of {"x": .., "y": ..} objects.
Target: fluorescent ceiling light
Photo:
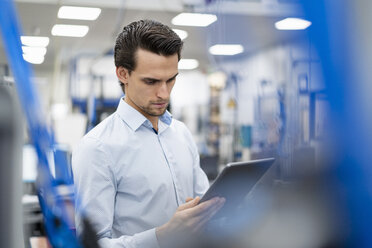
[
  {"x": 292, "y": 24},
  {"x": 38, "y": 51},
  {"x": 194, "y": 19},
  {"x": 70, "y": 30},
  {"x": 78, "y": 13},
  {"x": 188, "y": 64},
  {"x": 33, "y": 59},
  {"x": 231, "y": 49},
  {"x": 35, "y": 41},
  {"x": 181, "y": 33}
]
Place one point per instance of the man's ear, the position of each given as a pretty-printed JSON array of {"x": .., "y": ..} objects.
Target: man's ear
[{"x": 122, "y": 74}]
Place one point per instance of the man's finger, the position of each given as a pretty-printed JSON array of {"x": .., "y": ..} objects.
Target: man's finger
[
  {"x": 204, "y": 206},
  {"x": 189, "y": 204},
  {"x": 208, "y": 215},
  {"x": 189, "y": 199}
]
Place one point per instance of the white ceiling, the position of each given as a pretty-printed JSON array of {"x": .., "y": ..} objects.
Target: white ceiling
[{"x": 248, "y": 22}]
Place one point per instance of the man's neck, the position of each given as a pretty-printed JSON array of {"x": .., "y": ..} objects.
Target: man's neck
[{"x": 155, "y": 127}]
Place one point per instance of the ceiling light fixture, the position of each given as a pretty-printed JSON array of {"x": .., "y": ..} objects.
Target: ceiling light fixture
[
  {"x": 194, "y": 19},
  {"x": 292, "y": 24},
  {"x": 78, "y": 13},
  {"x": 226, "y": 49},
  {"x": 188, "y": 64},
  {"x": 33, "y": 59},
  {"x": 37, "y": 51},
  {"x": 181, "y": 33},
  {"x": 70, "y": 30},
  {"x": 35, "y": 41},
  {"x": 34, "y": 48}
]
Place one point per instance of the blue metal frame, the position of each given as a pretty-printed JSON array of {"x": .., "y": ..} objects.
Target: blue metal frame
[
  {"x": 55, "y": 215},
  {"x": 330, "y": 31}
]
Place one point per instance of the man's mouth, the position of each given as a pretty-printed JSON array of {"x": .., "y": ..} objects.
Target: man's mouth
[{"x": 160, "y": 104}]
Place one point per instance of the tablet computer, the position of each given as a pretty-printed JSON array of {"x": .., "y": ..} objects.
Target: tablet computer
[{"x": 234, "y": 183}]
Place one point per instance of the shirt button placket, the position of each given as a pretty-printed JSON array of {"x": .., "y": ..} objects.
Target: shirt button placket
[{"x": 171, "y": 164}]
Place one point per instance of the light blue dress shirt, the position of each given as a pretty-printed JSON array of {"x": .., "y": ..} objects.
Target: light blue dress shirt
[{"x": 130, "y": 179}]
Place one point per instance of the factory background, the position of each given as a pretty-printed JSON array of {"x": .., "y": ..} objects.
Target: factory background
[{"x": 258, "y": 79}]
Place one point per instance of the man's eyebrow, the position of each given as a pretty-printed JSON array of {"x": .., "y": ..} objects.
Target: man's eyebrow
[
  {"x": 173, "y": 76},
  {"x": 156, "y": 79},
  {"x": 150, "y": 79}
]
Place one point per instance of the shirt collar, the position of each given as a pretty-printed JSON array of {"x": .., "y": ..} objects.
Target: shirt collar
[{"x": 135, "y": 119}]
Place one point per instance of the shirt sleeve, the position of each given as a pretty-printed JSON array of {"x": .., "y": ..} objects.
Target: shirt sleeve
[
  {"x": 95, "y": 191},
  {"x": 201, "y": 182}
]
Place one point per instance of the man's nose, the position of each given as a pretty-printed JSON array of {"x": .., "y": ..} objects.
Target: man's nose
[{"x": 163, "y": 91}]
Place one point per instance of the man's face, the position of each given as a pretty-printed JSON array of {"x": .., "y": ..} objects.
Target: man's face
[{"x": 148, "y": 87}]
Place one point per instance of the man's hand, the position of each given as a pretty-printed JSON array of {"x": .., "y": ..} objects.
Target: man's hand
[{"x": 189, "y": 219}]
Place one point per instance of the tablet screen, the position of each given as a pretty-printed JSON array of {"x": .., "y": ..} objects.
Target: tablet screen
[{"x": 234, "y": 183}]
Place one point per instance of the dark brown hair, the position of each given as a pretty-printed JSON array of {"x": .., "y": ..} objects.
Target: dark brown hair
[{"x": 149, "y": 35}]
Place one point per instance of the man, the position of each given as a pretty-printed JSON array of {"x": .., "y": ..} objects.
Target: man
[{"x": 137, "y": 174}]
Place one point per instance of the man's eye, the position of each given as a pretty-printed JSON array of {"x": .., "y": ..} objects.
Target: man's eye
[{"x": 150, "y": 82}]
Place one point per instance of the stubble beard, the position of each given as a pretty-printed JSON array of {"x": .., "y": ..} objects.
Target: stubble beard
[{"x": 152, "y": 112}]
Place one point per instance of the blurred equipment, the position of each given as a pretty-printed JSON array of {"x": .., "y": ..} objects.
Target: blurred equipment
[
  {"x": 209, "y": 165},
  {"x": 54, "y": 211},
  {"x": 10, "y": 170}
]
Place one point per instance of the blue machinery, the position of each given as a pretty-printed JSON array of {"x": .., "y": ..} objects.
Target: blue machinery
[
  {"x": 55, "y": 215},
  {"x": 353, "y": 157},
  {"x": 335, "y": 23}
]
